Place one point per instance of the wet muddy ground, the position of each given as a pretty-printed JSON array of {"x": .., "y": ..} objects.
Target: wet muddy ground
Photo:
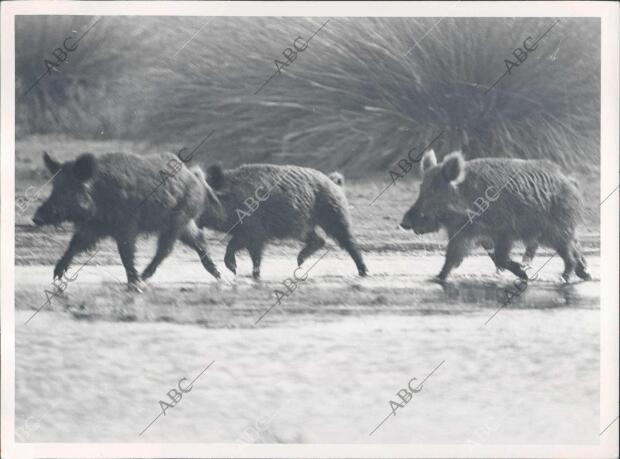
[{"x": 322, "y": 364}]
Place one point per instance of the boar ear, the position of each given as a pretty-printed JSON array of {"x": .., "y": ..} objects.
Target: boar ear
[
  {"x": 215, "y": 176},
  {"x": 453, "y": 168},
  {"x": 428, "y": 160},
  {"x": 52, "y": 165},
  {"x": 85, "y": 167}
]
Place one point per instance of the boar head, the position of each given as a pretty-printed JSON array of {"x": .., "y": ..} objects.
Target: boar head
[
  {"x": 439, "y": 201},
  {"x": 71, "y": 198}
]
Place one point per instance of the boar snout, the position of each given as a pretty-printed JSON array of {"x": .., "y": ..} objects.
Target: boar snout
[
  {"x": 419, "y": 222},
  {"x": 405, "y": 224},
  {"x": 45, "y": 215}
]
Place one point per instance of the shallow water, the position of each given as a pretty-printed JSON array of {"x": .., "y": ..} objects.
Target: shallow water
[{"x": 531, "y": 375}]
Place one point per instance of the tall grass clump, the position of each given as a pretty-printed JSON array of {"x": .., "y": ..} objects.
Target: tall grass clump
[{"x": 364, "y": 92}]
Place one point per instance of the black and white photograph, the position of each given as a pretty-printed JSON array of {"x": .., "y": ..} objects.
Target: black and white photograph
[{"x": 391, "y": 228}]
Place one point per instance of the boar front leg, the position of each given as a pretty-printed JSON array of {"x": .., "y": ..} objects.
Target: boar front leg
[
  {"x": 84, "y": 239},
  {"x": 313, "y": 242},
  {"x": 503, "y": 245},
  {"x": 231, "y": 249},
  {"x": 165, "y": 244},
  {"x": 456, "y": 251}
]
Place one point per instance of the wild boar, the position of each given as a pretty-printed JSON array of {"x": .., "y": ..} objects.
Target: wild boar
[
  {"x": 264, "y": 202},
  {"x": 516, "y": 200},
  {"x": 122, "y": 196}
]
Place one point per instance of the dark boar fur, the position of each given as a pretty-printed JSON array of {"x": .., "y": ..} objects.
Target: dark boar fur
[
  {"x": 533, "y": 202},
  {"x": 121, "y": 195},
  {"x": 264, "y": 202}
]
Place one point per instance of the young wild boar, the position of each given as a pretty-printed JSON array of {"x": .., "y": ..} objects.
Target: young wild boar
[
  {"x": 516, "y": 200},
  {"x": 264, "y": 202},
  {"x": 121, "y": 196}
]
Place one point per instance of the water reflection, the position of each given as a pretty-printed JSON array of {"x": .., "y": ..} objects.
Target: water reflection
[{"x": 539, "y": 295}]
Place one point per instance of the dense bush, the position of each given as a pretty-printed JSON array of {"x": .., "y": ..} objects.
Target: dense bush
[{"x": 363, "y": 93}]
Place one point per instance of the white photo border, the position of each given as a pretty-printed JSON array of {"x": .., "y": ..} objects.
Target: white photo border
[{"x": 608, "y": 12}]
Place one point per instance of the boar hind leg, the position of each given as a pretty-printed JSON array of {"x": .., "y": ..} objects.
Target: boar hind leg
[
  {"x": 313, "y": 242},
  {"x": 126, "y": 245},
  {"x": 573, "y": 260},
  {"x": 165, "y": 244},
  {"x": 256, "y": 254},
  {"x": 503, "y": 246},
  {"x": 582, "y": 268},
  {"x": 336, "y": 224},
  {"x": 565, "y": 251},
  {"x": 83, "y": 239},
  {"x": 195, "y": 238}
]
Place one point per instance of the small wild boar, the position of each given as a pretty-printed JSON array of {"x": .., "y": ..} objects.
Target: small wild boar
[
  {"x": 515, "y": 200},
  {"x": 122, "y": 196},
  {"x": 263, "y": 202}
]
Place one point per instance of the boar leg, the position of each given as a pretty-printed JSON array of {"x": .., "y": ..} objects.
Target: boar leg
[
  {"x": 195, "y": 238},
  {"x": 83, "y": 239},
  {"x": 256, "y": 254},
  {"x": 347, "y": 242},
  {"x": 313, "y": 242},
  {"x": 126, "y": 244},
  {"x": 568, "y": 252},
  {"x": 488, "y": 246},
  {"x": 531, "y": 246},
  {"x": 231, "y": 249},
  {"x": 582, "y": 268},
  {"x": 165, "y": 244},
  {"x": 335, "y": 223},
  {"x": 503, "y": 246},
  {"x": 456, "y": 251}
]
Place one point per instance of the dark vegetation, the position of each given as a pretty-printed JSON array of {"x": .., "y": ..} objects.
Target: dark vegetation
[{"x": 357, "y": 99}]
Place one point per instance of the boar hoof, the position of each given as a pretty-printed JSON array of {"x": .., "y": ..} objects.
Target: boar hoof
[
  {"x": 231, "y": 265},
  {"x": 439, "y": 279},
  {"x": 60, "y": 269},
  {"x": 137, "y": 286},
  {"x": 583, "y": 274}
]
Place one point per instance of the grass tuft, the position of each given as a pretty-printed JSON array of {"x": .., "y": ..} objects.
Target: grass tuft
[{"x": 364, "y": 92}]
